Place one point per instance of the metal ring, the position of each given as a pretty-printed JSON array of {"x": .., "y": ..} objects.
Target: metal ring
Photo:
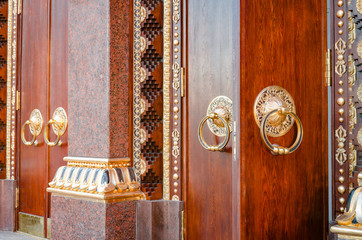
[
  {"x": 33, "y": 141},
  {"x": 57, "y": 141},
  {"x": 282, "y": 150},
  {"x": 222, "y": 145}
]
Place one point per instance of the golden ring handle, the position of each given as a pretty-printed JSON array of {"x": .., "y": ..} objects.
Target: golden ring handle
[
  {"x": 33, "y": 141},
  {"x": 57, "y": 141},
  {"x": 222, "y": 145},
  {"x": 276, "y": 149}
]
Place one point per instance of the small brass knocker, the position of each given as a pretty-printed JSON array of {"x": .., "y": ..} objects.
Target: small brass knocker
[
  {"x": 218, "y": 118},
  {"x": 274, "y": 112},
  {"x": 35, "y": 123},
  {"x": 59, "y": 124}
]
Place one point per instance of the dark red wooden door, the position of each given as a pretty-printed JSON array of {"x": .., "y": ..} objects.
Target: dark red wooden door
[
  {"x": 237, "y": 48},
  {"x": 43, "y": 86}
]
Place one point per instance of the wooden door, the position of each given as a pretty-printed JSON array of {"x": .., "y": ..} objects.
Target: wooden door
[
  {"x": 43, "y": 86},
  {"x": 236, "y": 49}
]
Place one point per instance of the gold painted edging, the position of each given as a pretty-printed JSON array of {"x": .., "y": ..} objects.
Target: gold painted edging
[
  {"x": 166, "y": 97},
  {"x": 104, "y": 198},
  {"x": 11, "y": 89},
  {"x": 347, "y": 231},
  {"x": 137, "y": 101}
]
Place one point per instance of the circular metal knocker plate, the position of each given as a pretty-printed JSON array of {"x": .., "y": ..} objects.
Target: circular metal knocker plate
[
  {"x": 37, "y": 120},
  {"x": 60, "y": 117},
  {"x": 222, "y": 106},
  {"x": 269, "y": 99}
]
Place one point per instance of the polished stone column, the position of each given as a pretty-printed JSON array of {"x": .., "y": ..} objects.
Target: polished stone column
[
  {"x": 99, "y": 75},
  {"x": 99, "y": 136}
]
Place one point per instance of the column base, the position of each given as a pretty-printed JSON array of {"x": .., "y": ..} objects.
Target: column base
[{"x": 74, "y": 218}]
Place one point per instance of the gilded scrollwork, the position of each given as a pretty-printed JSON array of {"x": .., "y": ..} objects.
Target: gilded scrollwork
[
  {"x": 166, "y": 97},
  {"x": 359, "y": 93},
  {"x": 11, "y": 88},
  {"x": 352, "y": 156},
  {"x": 351, "y": 72},
  {"x": 176, "y": 11},
  {"x": 341, "y": 67},
  {"x": 143, "y": 14},
  {"x": 341, "y": 135},
  {"x": 175, "y": 139},
  {"x": 176, "y": 76},
  {"x": 359, "y": 49},
  {"x": 138, "y": 75},
  {"x": 352, "y": 116},
  {"x": 359, "y": 6},
  {"x": 351, "y": 30},
  {"x": 359, "y": 137}
]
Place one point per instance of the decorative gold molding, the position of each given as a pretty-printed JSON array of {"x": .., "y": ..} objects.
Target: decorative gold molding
[
  {"x": 176, "y": 76},
  {"x": 341, "y": 135},
  {"x": 352, "y": 116},
  {"x": 97, "y": 178},
  {"x": 351, "y": 30},
  {"x": 176, "y": 11},
  {"x": 11, "y": 88},
  {"x": 359, "y": 137},
  {"x": 166, "y": 97},
  {"x": 139, "y": 75},
  {"x": 352, "y": 158},
  {"x": 359, "y": 6},
  {"x": 175, "y": 140},
  {"x": 351, "y": 72},
  {"x": 177, "y": 92},
  {"x": 340, "y": 47}
]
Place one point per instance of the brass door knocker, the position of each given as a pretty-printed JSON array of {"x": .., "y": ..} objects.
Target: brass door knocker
[
  {"x": 35, "y": 124},
  {"x": 218, "y": 118},
  {"x": 59, "y": 124},
  {"x": 274, "y": 112}
]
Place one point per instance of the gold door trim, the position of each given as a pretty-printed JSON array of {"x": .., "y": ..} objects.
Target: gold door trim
[
  {"x": 11, "y": 88},
  {"x": 166, "y": 97},
  {"x": 138, "y": 76}
]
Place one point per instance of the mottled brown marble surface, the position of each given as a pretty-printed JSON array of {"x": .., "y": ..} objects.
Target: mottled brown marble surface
[
  {"x": 98, "y": 75},
  {"x": 159, "y": 220},
  {"x": 7, "y": 208},
  {"x": 83, "y": 219}
]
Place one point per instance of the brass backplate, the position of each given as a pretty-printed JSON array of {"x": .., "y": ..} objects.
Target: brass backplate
[
  {"x": 31, "y": 224},
  {"x": 60, "y": 117},
  {"x": 223, "y": 107},
  {"x": 37, "y": 120},
  {"x": 269, "y": 99}
]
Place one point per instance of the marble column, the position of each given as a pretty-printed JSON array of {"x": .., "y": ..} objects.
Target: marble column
[{"x": 93, "y": 196}]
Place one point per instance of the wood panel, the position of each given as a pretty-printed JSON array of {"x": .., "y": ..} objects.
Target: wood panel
[
  {"x": 237, "y": 48},
  {"x": 284, "y": 197},
  {"x": 209, "y": 66},
  {"x": 34, "y": 89},
  {"x": 58, "y": 93}
]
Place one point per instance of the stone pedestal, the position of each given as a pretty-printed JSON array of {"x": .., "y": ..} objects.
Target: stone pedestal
[
  {"x": 84, "y": 219},
  {"x": 158, "y": 220},
  {"x": 7, "y": 205}
]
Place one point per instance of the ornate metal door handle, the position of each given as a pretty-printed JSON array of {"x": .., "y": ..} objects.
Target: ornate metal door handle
[
  {"x": 218, "y": 118},
  {"x": 35, "y": 123},
  {"x": 59, "y": 124},
  {"x": 274, "y": 112}
]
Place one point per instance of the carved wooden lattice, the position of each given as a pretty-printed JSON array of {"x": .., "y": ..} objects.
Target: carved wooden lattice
[
  {"x": 151, "y": 94},
  {"x": 3, "y": 75}
]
